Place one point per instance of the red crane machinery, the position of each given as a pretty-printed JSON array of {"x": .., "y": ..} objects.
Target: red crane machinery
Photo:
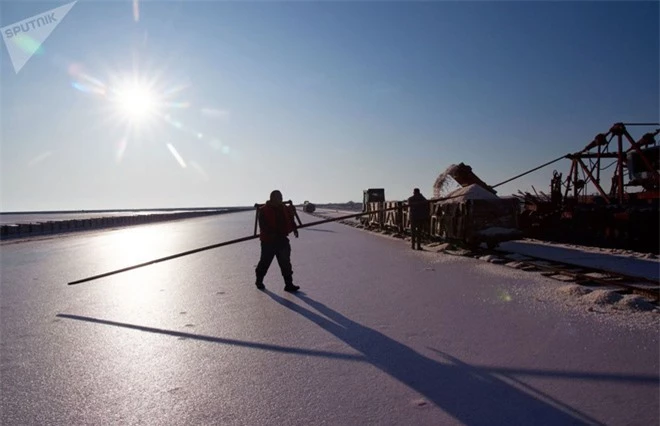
[{"x": 581, "y": 210}]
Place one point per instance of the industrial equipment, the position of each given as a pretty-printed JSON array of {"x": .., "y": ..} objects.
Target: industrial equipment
[{"x": 580, "y": 210}]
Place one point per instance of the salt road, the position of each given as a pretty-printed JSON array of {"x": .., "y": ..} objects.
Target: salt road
[{"x": 379, "y": 334}]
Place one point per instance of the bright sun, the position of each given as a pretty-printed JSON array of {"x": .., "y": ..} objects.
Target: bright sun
[{"x": 135, "y": 102}]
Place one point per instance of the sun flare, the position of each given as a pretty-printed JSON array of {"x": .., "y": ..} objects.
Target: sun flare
[{"x": 136, "y": 102}]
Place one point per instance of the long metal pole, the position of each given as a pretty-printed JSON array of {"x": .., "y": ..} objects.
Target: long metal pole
[
  {"x": 225, "y": 243},
  {"x": 162, "y": 259}
]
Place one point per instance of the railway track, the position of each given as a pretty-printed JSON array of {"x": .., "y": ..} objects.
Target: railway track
[{"x": 577, "y": 274}]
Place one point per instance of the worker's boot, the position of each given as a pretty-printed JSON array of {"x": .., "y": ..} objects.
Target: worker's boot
[
  {"x": 291, "y": 288},
  {"x": 288, "y": 285},
  {"x": 260, "y": 282}
]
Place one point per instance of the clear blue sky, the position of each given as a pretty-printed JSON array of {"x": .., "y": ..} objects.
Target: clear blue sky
[{"x": 318, "y": 99}]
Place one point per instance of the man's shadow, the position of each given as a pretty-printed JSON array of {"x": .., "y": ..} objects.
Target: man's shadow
[{"x": 470, "y": 395}]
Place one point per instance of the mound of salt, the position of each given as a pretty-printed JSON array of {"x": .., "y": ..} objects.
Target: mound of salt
[
  {"x": 573, "y": 290},
  {"x": 443, "y": 247},
  {"x": 472, "y": 192},
  {"x": 602, "y": 297},
  {"x": 492, "y": 259},
  {"x": 635, "y": 303}
]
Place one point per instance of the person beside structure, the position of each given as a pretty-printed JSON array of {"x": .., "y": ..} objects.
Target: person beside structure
[
  {"x": 419, "y": 216},
  {"x": 276, "y": 222}
]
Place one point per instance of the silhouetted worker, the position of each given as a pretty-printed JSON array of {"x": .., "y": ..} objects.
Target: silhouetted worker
[
  {"x": 419, "y": 215},
  {"x": 276, "y": 221}
]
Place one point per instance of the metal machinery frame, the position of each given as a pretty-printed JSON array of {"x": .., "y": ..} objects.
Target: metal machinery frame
[
  {"x": 599, "y": 149},
  {"x": 580, "y": 209}
]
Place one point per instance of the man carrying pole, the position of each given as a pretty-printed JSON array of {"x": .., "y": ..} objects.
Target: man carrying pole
[
  {"x": 276, "y": 222},
  {"x": 293, "y": 229}
]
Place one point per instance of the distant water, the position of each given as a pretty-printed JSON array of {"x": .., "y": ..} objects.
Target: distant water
[{"x": 46, "y": 216}]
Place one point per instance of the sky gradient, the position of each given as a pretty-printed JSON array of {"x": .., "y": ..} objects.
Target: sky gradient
[{"x": 318, "y": 99}]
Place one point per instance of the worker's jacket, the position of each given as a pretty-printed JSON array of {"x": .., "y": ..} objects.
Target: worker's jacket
[
  {"x": 419, "y": 208},
  {"x": 275, "y": 222}
]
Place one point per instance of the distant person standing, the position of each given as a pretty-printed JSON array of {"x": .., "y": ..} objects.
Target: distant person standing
[
  {"x": 419, "y": 215},
  {"x": 276, "y": 222}
]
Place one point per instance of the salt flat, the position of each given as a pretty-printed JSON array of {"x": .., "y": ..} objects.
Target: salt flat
[{"x": 379, "y": 334}]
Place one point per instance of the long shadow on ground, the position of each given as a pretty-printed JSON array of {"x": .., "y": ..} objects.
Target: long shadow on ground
[
  {"x": 213, "y": 339},
  {"x": 509, "y": 372},
  {"x": 471, "y": 395}
]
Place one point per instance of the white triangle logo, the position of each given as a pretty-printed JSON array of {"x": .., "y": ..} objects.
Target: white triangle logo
[{"x": 23, "y": 39}]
